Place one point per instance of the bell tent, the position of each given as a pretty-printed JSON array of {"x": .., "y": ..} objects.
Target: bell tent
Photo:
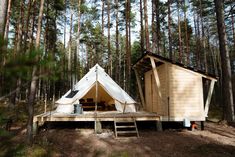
[{"x": 96, "y": 86}]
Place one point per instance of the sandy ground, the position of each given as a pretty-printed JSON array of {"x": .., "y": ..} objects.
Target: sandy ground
[{"x": 216, "y": 140}]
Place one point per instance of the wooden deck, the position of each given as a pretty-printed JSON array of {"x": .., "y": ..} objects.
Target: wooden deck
[{"x": 98, "y": 116}]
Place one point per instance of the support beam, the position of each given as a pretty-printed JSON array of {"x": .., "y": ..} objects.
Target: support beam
[
  {"x": 98, "y": 127},
  {"x": 140, "y": 89},
  {"x": 35, "y": 128},
  {"x": 208, "y": 100},
  {"x": 159, "y": 125},
  {"x": 156, "y": 77}
]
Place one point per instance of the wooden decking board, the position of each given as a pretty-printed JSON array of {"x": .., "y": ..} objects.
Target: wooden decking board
[{"x": 101, "y": 116}]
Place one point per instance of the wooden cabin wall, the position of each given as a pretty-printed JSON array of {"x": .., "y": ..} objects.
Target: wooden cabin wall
[
  {"x": 186, "y": 93},
  {"x": 152, "y": 99}
]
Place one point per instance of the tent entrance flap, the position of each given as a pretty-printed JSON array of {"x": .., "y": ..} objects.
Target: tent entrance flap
[{"x": 103, "y": 96}]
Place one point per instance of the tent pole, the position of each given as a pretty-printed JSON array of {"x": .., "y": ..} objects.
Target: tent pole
[
  {"x": 97, "y": 123},
  {"x": 96, "y": 89}
]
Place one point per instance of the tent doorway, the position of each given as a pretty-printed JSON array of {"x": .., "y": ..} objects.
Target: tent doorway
[{"x": 104, "y": 101}]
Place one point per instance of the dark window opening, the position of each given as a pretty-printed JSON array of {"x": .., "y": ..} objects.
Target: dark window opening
[{"x": 72, "y": 94}]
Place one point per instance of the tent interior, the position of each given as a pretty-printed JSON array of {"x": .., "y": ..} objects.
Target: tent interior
[{"x": 104, "y": 100}]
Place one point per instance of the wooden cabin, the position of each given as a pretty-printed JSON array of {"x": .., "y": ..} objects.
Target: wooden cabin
[{"x": 171, "y": 90}]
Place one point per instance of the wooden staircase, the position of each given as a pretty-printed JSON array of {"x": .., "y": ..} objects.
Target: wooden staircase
[{"x": 125, "y": 127}]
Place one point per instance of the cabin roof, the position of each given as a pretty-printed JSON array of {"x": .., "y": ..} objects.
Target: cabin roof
[{"x": 144, "y": 64}]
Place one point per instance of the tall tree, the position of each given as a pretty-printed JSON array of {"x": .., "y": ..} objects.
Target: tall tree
[
  {"x": 117, "y": 42},
  {"x": 146, "y": 25},
  {"x": 33, "y": 84},
  {"x": 227, "y": 92},
  {"x": 7, "y": 20},
  {"x": 141, "y": 28},
  {"x": 109, "y": 42},
  {"x": 78, "y": 38},
  {"x": 154, "y": 33},
  {"x": 169, "y": 29},
  {"x": 3, "y": 8},
  {"x": 179, "y": 32}
]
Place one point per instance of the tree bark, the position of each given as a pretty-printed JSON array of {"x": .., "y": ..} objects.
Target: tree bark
[
  {"x": 179, "y": 33},
  {"x": 102, "y": 24},
  {"x": 39, "y": 24},
  {"x": 158, "y": 41},
  {"x": 203, "y": 38},
  {"x": 33, "y": 85},
  {"x": 169, "y": 30},
  {"x": 146, "y": 26},
  {"x": 141, "y": 28},
  {"x": 31, "y": 101},
  {"x": 109, "y": 42},
  {"x": 70, "y": 53},
  {"x": 7, "y": 21},
  {"x": 186, "y": 34},
  {"x": 117, "y": 43},
  {"x": 27, "y": 24},
  {"x": 78, "y": 39},
  {"x": 154, "y": 33},
  {"x": 227, "y": 92},
  {"x": 3, "y": 10}
]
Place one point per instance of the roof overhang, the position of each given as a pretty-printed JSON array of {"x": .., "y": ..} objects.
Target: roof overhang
[{"x": 143, "y": 64}]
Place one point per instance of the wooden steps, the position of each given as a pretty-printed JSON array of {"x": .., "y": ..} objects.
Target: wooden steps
[{"x": 125, "y": 127}]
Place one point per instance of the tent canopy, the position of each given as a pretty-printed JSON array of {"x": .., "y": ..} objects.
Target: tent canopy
[{"x": 108, "y": 90}]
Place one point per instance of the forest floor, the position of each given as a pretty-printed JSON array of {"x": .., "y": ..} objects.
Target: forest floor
[
  {"x": 69, "y": 140},
  {"x": 215, "y": 140}
]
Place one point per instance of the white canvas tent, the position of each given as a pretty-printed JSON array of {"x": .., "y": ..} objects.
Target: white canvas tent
[{"x": 108, "y": 91}]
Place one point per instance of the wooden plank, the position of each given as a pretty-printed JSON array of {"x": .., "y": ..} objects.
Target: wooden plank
[
  {"x": 140, "y": 89},
  {"x": 208, "y": 100},
  {"x": 156, "y": 78}
]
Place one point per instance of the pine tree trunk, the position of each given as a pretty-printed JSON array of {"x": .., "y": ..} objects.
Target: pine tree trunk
[
  {"x": 27, "y": 24},
  {"x": 158, "y": 26},
  {"x": 102, "y": 23},
  {"x": 117, "y": 43},
  {"x": 33, "y": 85},
  {"x": 146, "y": 25},
  {"x": 232, "y": 17},
  {"x": 3, "y": 10},
  {"x": 19, "y": 33},
  {"x": 154, "y": 33},
  {"x": 141, "y": 28},
  {"x": 227, "y": 92},
  {"x": 129, "y": 47},
  {"x": 32, "y": 24},
  {"x": 70, "y": 53},
  {"x": 7, "y": 21},
  {"x": 78, "y": 40},
  {"x": 31, "y": 101},
  {"x": 203, "y": 38},
  {"x": 179, "y": 33},
  {"x": 109, "y": 44},
  {"x": 186, "y": 34},
  {"x": 169, "y": 30}
]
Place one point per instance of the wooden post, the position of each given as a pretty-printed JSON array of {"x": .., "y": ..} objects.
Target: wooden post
[
  {"x": 35, "y": 128},
  {"x": 159, "y": 125},
  {"x": 98, "y": 127},
  {"x": 45, "y": 104},
  {"x": 124, "y": 109},
  {"x": 208, "y": 100},
  {"x": 96, "y": 89},
  {"x": 140, "y": 89},
  {"x": 156, "y": 76},
  {"x": 97, "y": 123},
  {"x": 202, "y": 125}
]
